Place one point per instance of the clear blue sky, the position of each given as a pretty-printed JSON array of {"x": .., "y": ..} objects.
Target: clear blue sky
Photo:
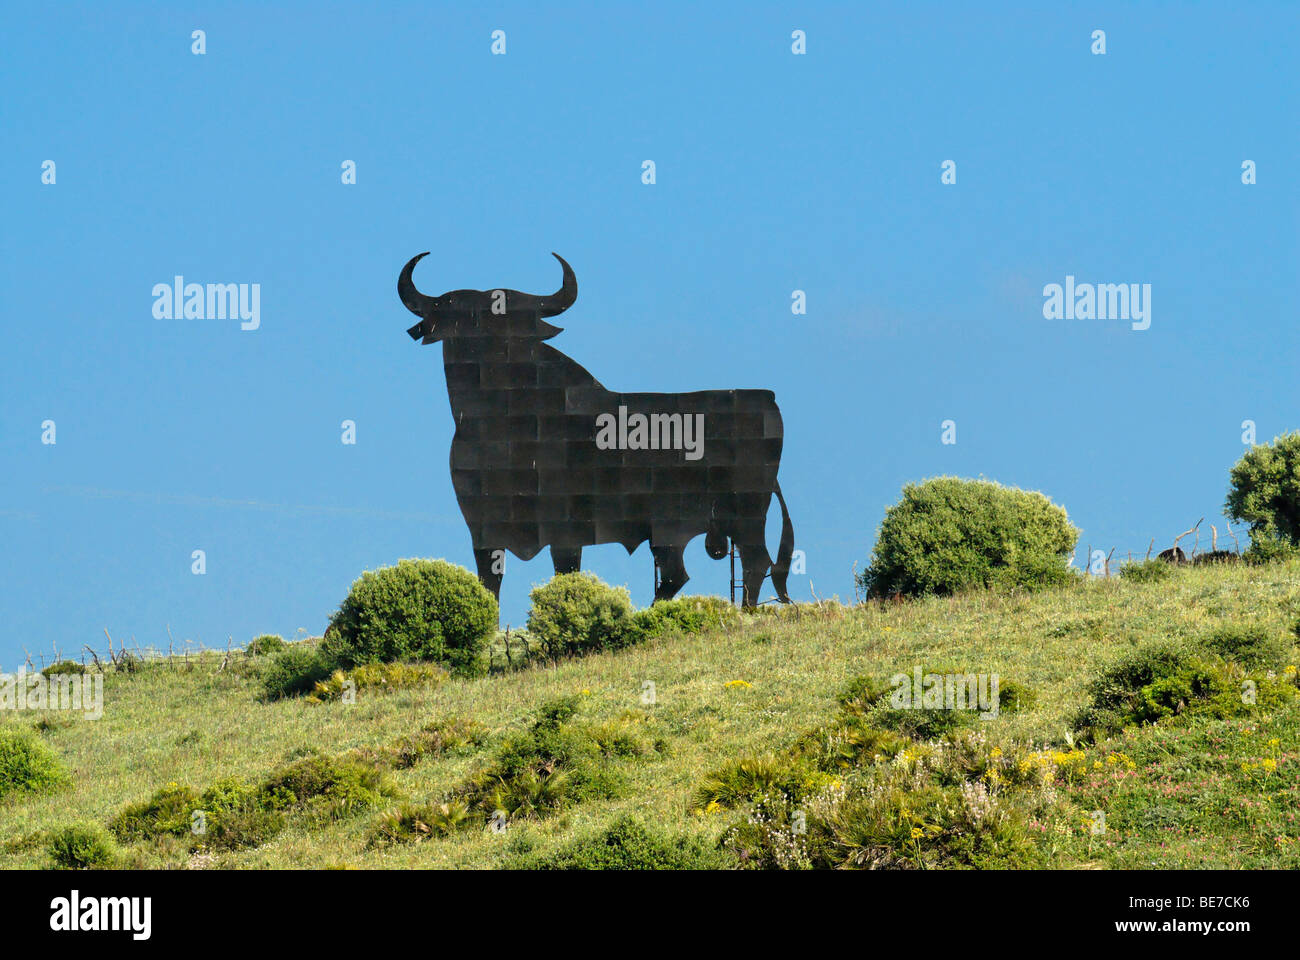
[{"x": 775, "y": 172}]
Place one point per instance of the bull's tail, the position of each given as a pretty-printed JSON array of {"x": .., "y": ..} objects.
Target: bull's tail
[{"x": 785, "y": 552}]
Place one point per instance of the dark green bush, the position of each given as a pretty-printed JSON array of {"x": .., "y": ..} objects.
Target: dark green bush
[
  {"x": 64, "y": 667},
  {"x": 82, "y": 846},
  {"x": 267, "y": 643},
  {"x": 1147, "y": 571},
  {"x": 27, "y": 765},
  {"x": 236, "y": 814},
  {"x": 577, "y": 613},
  {"x": 167, "y": 812},
  {"x": 331, "y": 786},
  {"x": 629, "y": 845},
  {"x": 552, "y": 764},
  {"x": 1254, "y": 646},
  {"x": 1163, "y": 680},
  {"x": 948, "y": 534},
  {"x": 296, "y": 670},
  {"x": 1014, "y": 696},
  {"x": 1264, "y": 491},
  {"x": 1115, "y": 686},
  {"x": 416, "y": 610},
  {"x": 1265, "y": 548},
  {"x": 916, "y": 719}
]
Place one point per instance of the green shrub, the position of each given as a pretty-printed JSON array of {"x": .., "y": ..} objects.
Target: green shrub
[
  {"x": 433, "y": 740},
  {"x": 552, "y": 764},
  {"x": 1254, "y": 646},
  {"x": 409, "y": 823},
  {"x": 324, "y": 787},
  {"x": 82, "y": 846},
  {"x": 234, "y": 814},
  {"x": 862, "y": 693},
  {"x": 1162, "y": 680},
  {"x": 27, "y": 766},
  {"x": 64, "y": 667},
  {"x": 1033, "y": 572},
  {"x": 902, "y": 712},
  {"x": 685, "y": 615},
  {"x": 418, "y": 610},
  {"x": 378, "y": 676},
  {"x": 1147, "y": 571},
  {"x": 888, "y": 825},
  {"x": 577, "y": 613},
  {"x": 1265, "y": 549},
  {"x": 1264, "y": 491},
  {"x": 922, "y": 723},
  {"x": 948, "y": 534},
  {"x": 629, "y": 845},
  {"x": 749, "y": 779},
  {"x": 295, "y": 670},
  {"x": 167, "y": 812},
  {"x": 267, "y": 643}
]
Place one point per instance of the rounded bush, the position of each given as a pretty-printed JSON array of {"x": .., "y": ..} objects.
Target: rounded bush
[
  {"x": 1254, "y": 646},
  {"x": 686, "y": 615},
  {"x": 417, "y": 610},
  {"x": 576, "y": 613},
  {"x": 294, "y": 670},
  {"x": 82, "y": 846},
  {"x": 265, "y": 644},
  {"x": 27, "y": 765},
  {"x": 949, "y": 534},
  {"x": 1264, "y": 491}
]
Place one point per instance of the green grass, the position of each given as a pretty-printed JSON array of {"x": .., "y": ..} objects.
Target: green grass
[{"x": 1186, "y": 801}]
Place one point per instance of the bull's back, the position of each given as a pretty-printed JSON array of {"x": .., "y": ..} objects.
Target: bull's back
[{"x": 525, "y": 481}]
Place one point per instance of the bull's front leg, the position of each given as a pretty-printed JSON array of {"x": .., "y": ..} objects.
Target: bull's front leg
[
  {"x": 566, "y": 559},
  {"x": 491, "y": 565},
  {"x": 672, "y": 571}
]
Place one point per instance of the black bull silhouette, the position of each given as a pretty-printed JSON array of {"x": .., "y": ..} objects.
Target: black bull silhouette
[{"x": 529, "y": 471}]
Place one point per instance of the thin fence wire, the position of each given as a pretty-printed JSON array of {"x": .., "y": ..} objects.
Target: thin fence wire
[
  {"x": 1193, "y": 545},
  {"x": 128, "y": 657}
]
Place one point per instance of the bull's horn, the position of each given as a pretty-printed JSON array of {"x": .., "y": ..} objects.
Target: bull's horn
[
  {"x": 560, "y": 300},
  {"x": 415, "y": 301}
]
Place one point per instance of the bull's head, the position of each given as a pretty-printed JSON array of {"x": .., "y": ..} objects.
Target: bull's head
[{"x": 479, "y": 313}]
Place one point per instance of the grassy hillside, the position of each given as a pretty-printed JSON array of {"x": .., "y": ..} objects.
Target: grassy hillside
[{"x": 1184, "y": 792}]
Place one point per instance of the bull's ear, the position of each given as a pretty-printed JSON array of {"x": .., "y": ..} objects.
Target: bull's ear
[
  {"x": 414, "y": 332},
  {"x": 545, "y": 330}
]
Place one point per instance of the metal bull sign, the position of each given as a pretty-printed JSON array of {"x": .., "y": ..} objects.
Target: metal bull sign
[{"x": 545, "y": 455}]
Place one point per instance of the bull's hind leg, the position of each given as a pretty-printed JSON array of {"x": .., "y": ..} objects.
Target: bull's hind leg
[
  {"x": 672, "y": 571},
  {"x": 566, "y": 559},
  {"x": 755, "y": 561},
  {"x": 491, "y": 565}
]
